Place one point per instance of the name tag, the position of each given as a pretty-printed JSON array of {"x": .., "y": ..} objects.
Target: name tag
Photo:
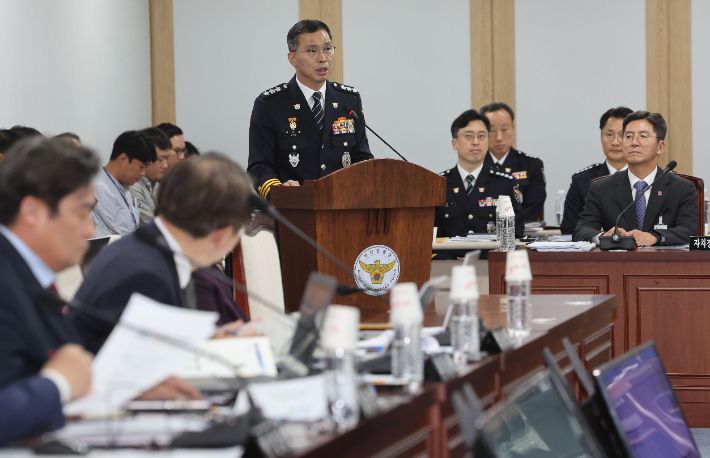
[
  {"x": 660, "y": 226},
  {"x": 701, "y": 243}
]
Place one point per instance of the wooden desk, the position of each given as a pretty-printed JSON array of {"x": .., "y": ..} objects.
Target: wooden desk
[{"x": 662, "y": 296}]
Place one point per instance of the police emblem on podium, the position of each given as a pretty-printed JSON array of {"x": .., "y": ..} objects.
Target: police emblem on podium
[{"x": 376, "y": 270}]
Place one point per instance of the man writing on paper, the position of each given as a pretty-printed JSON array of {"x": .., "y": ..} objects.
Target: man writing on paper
[
  {"x": 665, "y": 215},
  {"x": 300, "y": 130}
]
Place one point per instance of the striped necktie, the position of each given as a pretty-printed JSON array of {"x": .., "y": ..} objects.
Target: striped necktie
[
  {"x": 469, "y": 185},
  {"x": 640, "y": 203},
  {"x": 318, "y": 109}
]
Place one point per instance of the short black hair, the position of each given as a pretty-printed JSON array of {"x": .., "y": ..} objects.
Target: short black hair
[
  {"x": 157, "y": 138},
  {"x": 25, "y": 131},
  {"x": 490, "y": 108},
  {"x": 47, "y": 169},
  {"x": 135, "y": 145},
  {"x": 170, "y": 130},
  {"x": 656, "y": 120},
  {"x": 7, "y": 139},
  {"x": 465, "y": 118},
  {"x": 301, "y": 27},
  {"x": 206, "y": 193},
  {"x": 191, "y": 150},
  {"x": 618, "y": 112},
  {"x": 71, "y": 135}
]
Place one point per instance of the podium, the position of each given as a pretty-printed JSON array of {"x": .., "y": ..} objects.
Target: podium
[{"x": 381, "y": 204}]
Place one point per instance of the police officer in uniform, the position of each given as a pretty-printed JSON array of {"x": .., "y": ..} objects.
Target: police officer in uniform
[
  {"x": 610, "y": 124},
  {"x": 301, "y": 130},
  {"x": 472, "y": 188},
  {"x": 528, "y": 171}
]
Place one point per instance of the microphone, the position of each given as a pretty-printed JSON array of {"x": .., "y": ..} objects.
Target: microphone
[
  {"x": 628, "y": 242},
  {"x": 346, "y": 290},
  {"x": 353, "y": 113}
]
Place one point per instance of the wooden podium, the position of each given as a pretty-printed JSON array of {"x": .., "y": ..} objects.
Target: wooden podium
[{"x": 377, "y": 202}]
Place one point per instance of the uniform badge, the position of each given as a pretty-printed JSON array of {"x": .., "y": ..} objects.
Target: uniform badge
[
  {"x": 292, "y": 123},
  {"x": 507, "y": 170},
  {"x": 293, "y": 159},
  {"x": 488, "y": 202},
  {"x": 481, "y": 189},
  {"x": 521, "y": 175},
  {"x": 343, "y": 126},
  {"x": 335, "y": 104},
  {"x": 297, "y": 106},
  {"x": 376, "y": 270},
  {"x": 518, "y": 194},
  {"x": 456, "y": 190},
  {"x": 346, "y": 159}
]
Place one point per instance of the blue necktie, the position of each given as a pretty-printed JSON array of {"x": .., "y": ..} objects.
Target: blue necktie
[
  {"x": 469, "y": 184},
  {"x": 640, "y": 203},
  {"x": 318, "y": 109}
]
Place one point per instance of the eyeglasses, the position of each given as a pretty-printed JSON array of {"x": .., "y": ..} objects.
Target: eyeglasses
[
  {"x": 180, "y": 151},
  {"x": 313, "y": 53},
  {"x": 611, "y": 137},
  {"x": 642, "y": 137},
  {"x": 481, "y": 136}
]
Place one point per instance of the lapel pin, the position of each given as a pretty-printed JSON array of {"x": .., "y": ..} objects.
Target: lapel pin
[
  {"x": 481, "y": 189},
  {"x": 456, "y": 190},
  {"x": 335, "y": 104},
  {"x": 660, "y": 193},
  {"x": 297, "y": 106}
]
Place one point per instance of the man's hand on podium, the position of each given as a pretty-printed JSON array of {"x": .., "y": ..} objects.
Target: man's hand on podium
[{"x": 290, "y": 183}]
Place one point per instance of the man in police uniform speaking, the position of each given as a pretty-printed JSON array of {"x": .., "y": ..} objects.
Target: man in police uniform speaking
[
  {"x": 528, "y": 171},
  {"x": 300, "y": 130},
  {"x": 472, "y": 188}
]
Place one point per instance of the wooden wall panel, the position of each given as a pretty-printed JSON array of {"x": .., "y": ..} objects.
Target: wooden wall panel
[
  {"x": 162, "y": 61},
  {"x": 330, "y": 12},
  {"x": 481, "y": 53},
  {"x": 503, "y": 31}
]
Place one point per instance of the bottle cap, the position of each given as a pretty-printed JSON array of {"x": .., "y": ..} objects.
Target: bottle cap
[
  {"x": 405, "y": 304},
  {"x": 464, "y": 284},
  {"x": 560, "y": 191},
  {"x": 517, "y": 266},
  {"x": 340, "y": 328}
]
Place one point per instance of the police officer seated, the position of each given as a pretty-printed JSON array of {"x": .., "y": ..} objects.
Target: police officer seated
[{"x": 472, "y": 187}]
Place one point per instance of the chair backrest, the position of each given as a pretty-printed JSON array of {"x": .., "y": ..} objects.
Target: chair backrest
[
  {"x": 699, "y": 187},
  {"x": 256, "y": 265}
]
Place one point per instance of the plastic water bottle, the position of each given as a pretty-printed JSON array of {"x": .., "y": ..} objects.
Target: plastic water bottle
[
  {"x": 506, "y": 232},
  {"x": 407, "y": 317},
  {"x": 519, "y": 309},
  {"x": 560, "y": 205},
  {"x": 465, "y": 337}
]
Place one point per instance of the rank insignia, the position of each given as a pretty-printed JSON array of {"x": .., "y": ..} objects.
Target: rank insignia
[
  {"x": 343, "y": 126},
  {"x": 481, "y": 189},
  {"x": 292, "y": 123},
  {"x": 520, "y": 175},
  {"x": 507, "y": 170},
  {"x": 335, "y": 104},
  {"x": 488, "y": 202},
  {"x": 456, "y": 190},
  {"x": 293, "y": 159},
  {"x": 518, "y": 194},
  {"x": 297, "y": 106},
  {"x": 346, "y": 159}
]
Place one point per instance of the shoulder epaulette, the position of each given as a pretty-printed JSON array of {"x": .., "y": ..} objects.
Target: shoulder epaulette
[
  {"x": 501, "y": 174},
  {"x": 587, "y": 168},
  {"x": 445, "y": 173},
  {"x": 344, "y": 88},
  {"x": 528, "y": 155},
  {"x": 274, "y": 90}
]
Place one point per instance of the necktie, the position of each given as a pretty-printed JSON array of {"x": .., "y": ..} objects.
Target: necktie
[
  {"x": 469, "y": 185},
  {"x": 318, "y": 109},
  {"x": 640, "y": 203}
]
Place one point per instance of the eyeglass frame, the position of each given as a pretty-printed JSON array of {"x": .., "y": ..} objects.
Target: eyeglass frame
[
  {"x": 318, "y": 52},
  {"x": 474, "y": 135},
  {"x": 637, "y": 136}
]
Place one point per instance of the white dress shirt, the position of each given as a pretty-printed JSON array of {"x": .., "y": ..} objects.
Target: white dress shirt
[
  {"x": 612, "y": 170},
  {"x": 501, "y": 160},
  {"x": 464, "y": 174},
  {"x": 308, "y": 94},
  {"x": 649, "y": 179},
  {"x": 182, "y": 264}
]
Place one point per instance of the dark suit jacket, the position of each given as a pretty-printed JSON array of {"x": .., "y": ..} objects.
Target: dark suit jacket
[
  {"x": 125, "y": 267},
  {"x": 673, "y": 197},
  {"x": 216, "y": 296},
  {"x": 278, "y": 152},
  {"x": 529, "y": 173},
  {"x": 577, "y": 194},
  {"x": 463, "y": 213},
  {"x": 30, "y": 407}
]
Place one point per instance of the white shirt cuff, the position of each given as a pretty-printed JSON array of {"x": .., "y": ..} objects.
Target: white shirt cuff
[
  {"x": 60, "y": 381},
  {"x": 595, "y": 239}
]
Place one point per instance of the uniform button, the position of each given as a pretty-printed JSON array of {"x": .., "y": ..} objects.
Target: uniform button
[
  {"x": 323, "y": 166},
  {"x": 446, "y": 215},
  {"x": 322, "y": 146},
  {"x": 345, "y": 143},
  {"x": 294, "y": 146},
  {"x": 470, "y": 216},
  {"x": 490, "y": 215}
]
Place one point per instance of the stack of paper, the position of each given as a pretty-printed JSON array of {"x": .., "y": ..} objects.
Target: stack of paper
[
  {"x": 474, "y": 238},
  {"x": 561, "y": 246}
]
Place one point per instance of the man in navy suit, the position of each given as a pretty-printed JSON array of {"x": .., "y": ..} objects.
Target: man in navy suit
[
  {"x": 666, "y": 214},
  {"x": 44, "y": 223},
  {"x": 202, "y": 207}
]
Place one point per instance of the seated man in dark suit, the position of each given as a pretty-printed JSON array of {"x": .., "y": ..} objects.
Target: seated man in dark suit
[
  {"x": 44, "y": 223},
  {"x": 611, "y": 125},
  {"x": 665, "y": 215},
  {"x": 202, "y": 207}
]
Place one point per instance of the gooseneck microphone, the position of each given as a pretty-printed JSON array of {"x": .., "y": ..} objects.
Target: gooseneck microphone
[
  {"x": 628, "y": 242},
  {"x": 346, "y": 290},
  {"x": 353, "y": 113}
]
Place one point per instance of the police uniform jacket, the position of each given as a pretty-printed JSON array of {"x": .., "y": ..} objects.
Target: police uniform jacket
[
  {"x": 529, "y": 173},
  {"x": 463, "y": 213},
  {"x": 672, "y": 197},
  {"x": 285, "y": 142},
  {"x": 577, "y": 194}
]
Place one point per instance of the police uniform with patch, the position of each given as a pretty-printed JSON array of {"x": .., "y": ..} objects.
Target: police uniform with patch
[
  {"x": 285, "y": 142},
  {"x": 529, "y": 174},
  {"x": 463, "y": 213},
  {"x": 577, "y": 194}
]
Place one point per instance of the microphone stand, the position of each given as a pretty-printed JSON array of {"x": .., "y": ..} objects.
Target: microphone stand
[{"x": 352, "y": 113}]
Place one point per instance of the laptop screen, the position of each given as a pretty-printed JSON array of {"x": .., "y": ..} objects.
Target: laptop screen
[
  {"x": 643, "y": 405},
  {"x": 534, "y": 422}
]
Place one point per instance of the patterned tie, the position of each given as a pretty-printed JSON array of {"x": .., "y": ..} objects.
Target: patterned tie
[
  {"x": 318, "y": 109},
  {"x": 469, "y": 185},
  {"x": 640, "y": 203}
]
